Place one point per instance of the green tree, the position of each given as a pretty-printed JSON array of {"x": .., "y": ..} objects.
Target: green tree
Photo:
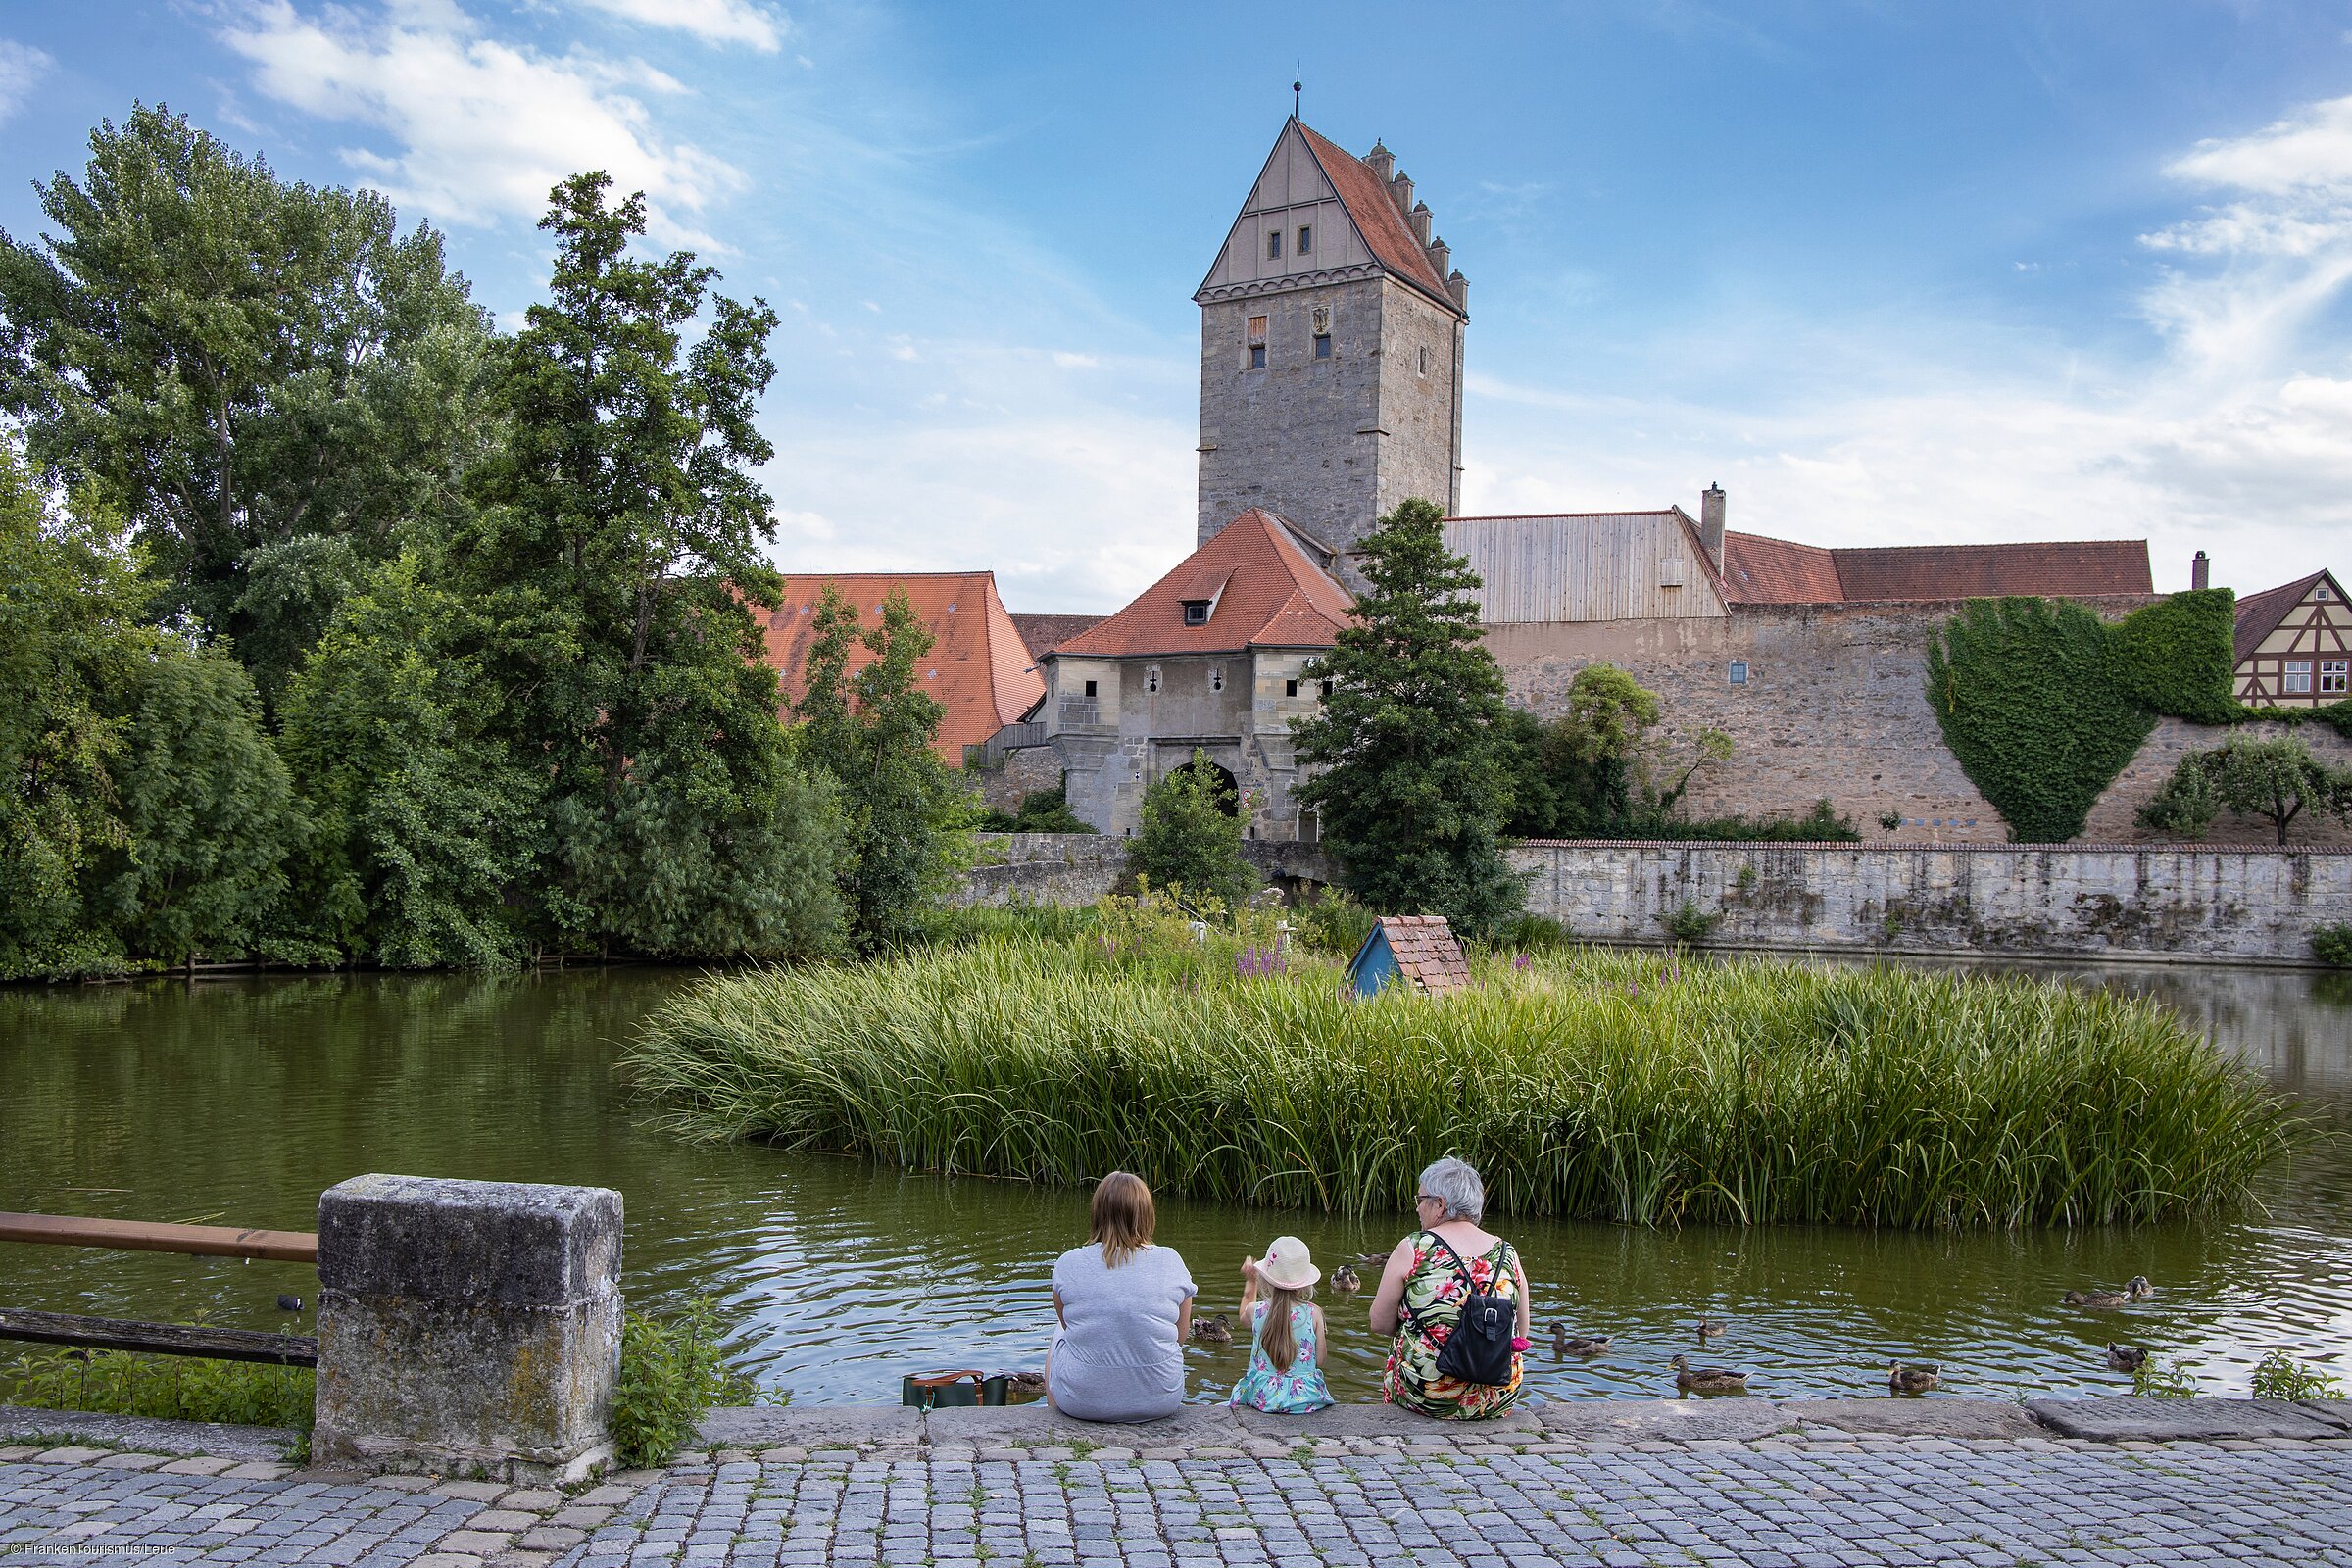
[
  {"x": 616, "y": 558},
  {"x": 1190, "y": 836},
  {"x": 209, "y": 814},
  {"x": 1413, "y": 788},
  {"x": 239, "y": 364},
  {"x": 2275, "y": 781},
  {"x": 73, "y": 640},
  {"x": 907, "y": 814}
]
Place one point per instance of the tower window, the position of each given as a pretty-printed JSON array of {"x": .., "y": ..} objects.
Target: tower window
[
  {"x": 1322, "y": 345},
  {"x": 1425, "y": 361},
  {"x": 1273, "y": 244},
  {"x": 1739, "y": 672},
  {"x": 1089, "y": 688},
  {"x": 1289, "y": 688},
  {"x": 1151, "y": 678},
  {"x": 1306, "y": 238},
  {"x": 1256, "y": 341},
  {"x": 1327, "y": 691},
  {"x": 1216, "y": 677}
]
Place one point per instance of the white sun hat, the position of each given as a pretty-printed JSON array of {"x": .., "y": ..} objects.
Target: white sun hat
[{"x": 1287, "y": 1264}]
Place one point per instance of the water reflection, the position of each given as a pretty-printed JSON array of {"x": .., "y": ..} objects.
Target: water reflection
[{"x": 239, "y": 1101}]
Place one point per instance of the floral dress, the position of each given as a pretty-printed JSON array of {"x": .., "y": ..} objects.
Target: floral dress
[
  {"x": 1432, "y": 1305},
  {"x": 1300, "y": 1390}
]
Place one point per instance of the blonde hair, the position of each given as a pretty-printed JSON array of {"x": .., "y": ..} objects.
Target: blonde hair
[
  {"x": 1121, "y": 1217},
  {"x": 1278, "y": 1339}
]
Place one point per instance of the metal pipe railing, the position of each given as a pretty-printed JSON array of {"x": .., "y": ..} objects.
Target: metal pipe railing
[{"x": 146, "y": 1236}]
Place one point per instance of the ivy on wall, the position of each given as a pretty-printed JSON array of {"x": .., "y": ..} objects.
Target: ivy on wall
[
  {"x": 2029, "y": 697},
  {"x": 2178, "y": 656}
]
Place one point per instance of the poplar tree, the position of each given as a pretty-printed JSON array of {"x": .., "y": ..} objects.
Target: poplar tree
[{"x": 1412, "y": 782}]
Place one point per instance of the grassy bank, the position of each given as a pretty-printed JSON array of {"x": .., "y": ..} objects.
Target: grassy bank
[{"x": 1601, "y": 1085}]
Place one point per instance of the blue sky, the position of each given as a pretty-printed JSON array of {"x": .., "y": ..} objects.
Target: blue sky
[{"x": 1893, "y": 271}]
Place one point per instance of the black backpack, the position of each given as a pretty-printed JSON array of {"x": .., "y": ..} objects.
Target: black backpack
[{"x": 1479, "y": 1350}]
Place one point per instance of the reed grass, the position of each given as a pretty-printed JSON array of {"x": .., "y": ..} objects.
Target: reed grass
[{"x": 1603, "y": 1085}]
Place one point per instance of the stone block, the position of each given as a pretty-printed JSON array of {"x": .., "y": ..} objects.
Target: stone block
[
  {"x": 1385, "y": 1421},
  {"x": 1040, "y": 1425},
  {"x": 1735, "y": 1420},
  {"x": 1908, "y": 1417},
  {"x": 2128, "y": 1420},
  {"x": 467, "y": 1324},
  {"x": 809, "y": 1426}
]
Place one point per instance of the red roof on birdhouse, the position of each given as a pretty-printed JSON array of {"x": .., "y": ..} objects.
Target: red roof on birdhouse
[{"x": 1427, "y": 953}]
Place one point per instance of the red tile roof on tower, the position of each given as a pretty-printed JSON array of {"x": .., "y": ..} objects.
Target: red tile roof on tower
[
  {"x": 979, "y": 670},
  {"x": 1757, "y": 570},
  {"x": 1273, "y": 596},
  {"x": 1374, "y": 213},
  {"x": 2259, "y": 614},
  {"x": 1045, "y": 633}
]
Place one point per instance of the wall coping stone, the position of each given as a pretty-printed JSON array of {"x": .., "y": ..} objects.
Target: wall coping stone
[
  {"x": 1927, "y": 847},
  {"x": 514, "y": 1244}
]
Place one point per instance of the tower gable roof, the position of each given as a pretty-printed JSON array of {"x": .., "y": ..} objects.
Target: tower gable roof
[
  {"x": 1306, "y": 171},
  {"x": 1273, "y": 596}
]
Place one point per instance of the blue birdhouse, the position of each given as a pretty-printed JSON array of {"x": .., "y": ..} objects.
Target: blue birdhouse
[{"x": 1414, "y": 950}]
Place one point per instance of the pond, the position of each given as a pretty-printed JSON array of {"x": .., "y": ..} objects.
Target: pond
[{"x": 237, "y": 1101}]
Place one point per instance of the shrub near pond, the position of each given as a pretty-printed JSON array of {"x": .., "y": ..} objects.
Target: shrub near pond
[{"x": 1597, "y": 1084}]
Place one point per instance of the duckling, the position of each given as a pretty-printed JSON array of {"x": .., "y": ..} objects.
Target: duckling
[
  {"x": 1710, "y": 1329},
  {"x": 1707, "y": 1379},
  {"x": 1912, "y": 1378},
  {"x": 2134, "y": 1288},
  {"x": 1344, "y": 1279},
  {"x": 1564, "y": 1342},
  {"x": 1213, "y": 1330},
  {"x": 2126, "y": 1357}
]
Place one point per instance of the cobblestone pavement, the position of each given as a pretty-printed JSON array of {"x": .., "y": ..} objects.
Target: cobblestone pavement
[{"x": 1773, "y": 1502}]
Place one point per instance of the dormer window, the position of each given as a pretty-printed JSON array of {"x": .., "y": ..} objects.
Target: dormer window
[{"x": 1196, "y": 612}]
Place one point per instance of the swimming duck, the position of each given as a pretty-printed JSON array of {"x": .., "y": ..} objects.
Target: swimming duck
[
  {"x": 1912, "y": 1378},
  {"x": 2134, "y": 1289},
  {"x": 1710, "y": 1329},
  {"x": 1707, "y": 1379},
  {"x": 2126, "y": 1357},
  {"x": 1344, "y": 1279},
  {"x": 1564, "y": 1342},
  {"x": 1214, "y": 1330}
]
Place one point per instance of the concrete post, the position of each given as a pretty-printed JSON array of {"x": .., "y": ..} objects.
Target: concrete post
[{"x": 468, "y": 1325}]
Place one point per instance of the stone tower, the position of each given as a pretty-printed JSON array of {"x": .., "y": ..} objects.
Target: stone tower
[{"x": 1331, "y": 349}]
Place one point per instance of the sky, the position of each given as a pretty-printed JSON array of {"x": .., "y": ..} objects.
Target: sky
[{"x": 1893, "y": 271}]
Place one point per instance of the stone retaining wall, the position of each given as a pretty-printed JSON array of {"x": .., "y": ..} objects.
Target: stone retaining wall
[
  {"x": 1076, "y": 868},
  {"x": 2071, "y": 901}
]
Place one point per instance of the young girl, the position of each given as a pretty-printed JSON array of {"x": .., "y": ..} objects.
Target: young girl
[{"x": 1285, "y": 1351}]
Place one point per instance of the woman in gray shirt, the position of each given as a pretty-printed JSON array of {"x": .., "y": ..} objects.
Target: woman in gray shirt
[{"x": 1125, "y": 1308}]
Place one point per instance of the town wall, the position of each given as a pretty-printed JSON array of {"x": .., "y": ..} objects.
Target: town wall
[
  {"x": 1023, "y": 773},
  {"x": 2229, "y": 906},
  {"x": 1077, "y": 869}
]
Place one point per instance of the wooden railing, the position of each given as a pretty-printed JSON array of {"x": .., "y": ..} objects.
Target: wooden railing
[{"x": 159, "y": 1339}]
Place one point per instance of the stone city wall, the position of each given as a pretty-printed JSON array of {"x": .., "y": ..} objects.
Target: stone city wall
[
  {"x": 1836, "y": 706},
  {"x": 1077, "y": 869},
  {"x": 2236, "y": 906}
]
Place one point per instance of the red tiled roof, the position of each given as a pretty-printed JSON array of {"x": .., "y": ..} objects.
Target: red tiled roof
[
  {"x": 2259, "y": 614},
  {"x": 1375, "y": 215},
  {"x": 980, "y": 670},
  {"x": 1427, "y": 953},
  {"x": 1776, "y": 571},
  {"x": 1045, "y": 633},
  {"x": 1274, "y": 597}
]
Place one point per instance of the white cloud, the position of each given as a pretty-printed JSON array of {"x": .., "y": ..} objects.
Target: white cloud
[
  {"x": 20, "y": 65},
  {"x": 481, "y": 129},
  {"x": 712, "y": 20}
]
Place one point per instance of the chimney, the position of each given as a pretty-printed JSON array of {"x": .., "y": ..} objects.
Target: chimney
[
  {"x": 1441, "y": 256},
  {"x": 1382, "y": 163},
  {"x": 2200, "y": 571},
  {"x": 1421, "y": 218},
  {"x": 1710, "y": 522},
  {"x": 1401, "y": 191},
  {"x": 1459, "y": 287}
]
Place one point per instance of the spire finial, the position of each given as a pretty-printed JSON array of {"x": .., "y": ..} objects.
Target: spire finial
[{"x": 1298, "y": 76}]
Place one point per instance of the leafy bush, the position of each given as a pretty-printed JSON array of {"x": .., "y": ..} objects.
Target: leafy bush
[
  {"x": 2332, "y": 944},
  {"x": 1689, "y": 923},
  {"x": 2153, "y": 1379},
  {"x": 2279, "y": 1376},
  {"x": 168, "y": 1387},
  {"x": 1190, "y": 836},
  {"x": 989, "y": 922},
  {"x": 1821, "y": 825},
  {"x": 1592, "y": 1084},
  {"x": 1041, "y": 811},
  {"x": 2273, "y": 780},
  {"x": 1330, "y": 921},
  {"x": 670, "y": 1372},
  {"x": 1532, "y": 933}
]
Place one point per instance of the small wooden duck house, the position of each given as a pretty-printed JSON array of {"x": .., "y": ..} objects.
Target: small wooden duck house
[{"x": 1414, "y": 950}]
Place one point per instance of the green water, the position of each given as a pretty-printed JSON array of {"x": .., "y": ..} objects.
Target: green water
[{"x": 237, "y": 1101}]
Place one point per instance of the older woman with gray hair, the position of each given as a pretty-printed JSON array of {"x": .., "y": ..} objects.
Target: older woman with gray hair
[{"x": 1430, "y": 1275}]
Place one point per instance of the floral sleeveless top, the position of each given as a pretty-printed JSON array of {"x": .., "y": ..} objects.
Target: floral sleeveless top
[
  {"x": 1292, "y": 1392},
  {"x": 1432, "y": 1305}
]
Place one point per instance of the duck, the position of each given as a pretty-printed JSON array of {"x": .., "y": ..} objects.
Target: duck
[
  {"x": 1710, "y": 1328},
  {"x": 1707, "y": 1379},
  {"x": 1564, "y": 1342},
  {"x": 1025, "y": 1383},
  {"x": 1344, "y": 1279},
  {"x": 1374, "y": 1260},
  {"x": 2134, "y": 1288},
  {"x": 289, "y": 1303},
  {"x": 2126, "y": 1357},
  {"x": 1912, "y": 1377},
  {"x": 1213, "y": 1330}
]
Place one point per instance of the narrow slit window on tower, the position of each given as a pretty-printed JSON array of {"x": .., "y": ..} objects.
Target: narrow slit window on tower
[
  {"x": 1319, "y": 320},
  {"x": 1151, "y": 678},
  {"x": 1216, "y": 677},
  {"x": 1256, "y": 341},
  {"x": 1322, "y": 345},
  {"x": 1306, "y": 239},
  {"x": 1425, "y": 361},
  {"x": 1273, "y": 244}
]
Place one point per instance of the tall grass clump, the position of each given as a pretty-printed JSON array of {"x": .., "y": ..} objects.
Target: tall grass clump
[
  {"x": 168, "y": 1387},
  {"x": 1603, "y": 1085}
]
